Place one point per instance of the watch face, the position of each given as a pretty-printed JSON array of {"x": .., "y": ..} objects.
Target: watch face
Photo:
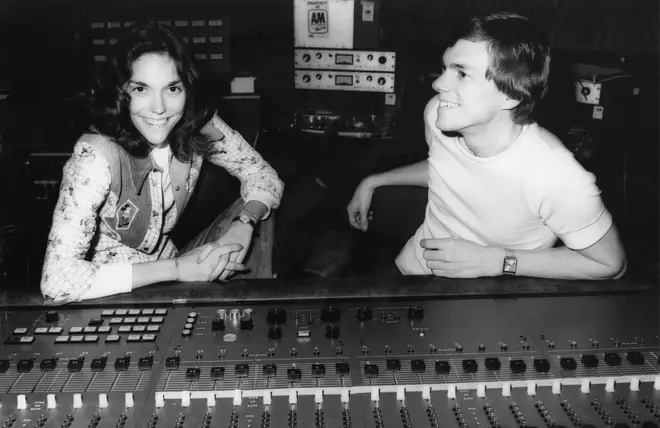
[{"x": 510, "y": 264}]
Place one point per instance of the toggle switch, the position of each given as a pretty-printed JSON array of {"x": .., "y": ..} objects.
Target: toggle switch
[
  {"x": 318, "y": 396},
  {"x": 584, "y": 388},
  {"x": 481, "y": 390},
  {"x": 129, "y": 401},
  {"x": 609, "y": 385},
  {"x": 531, "y": 388},
  {"x": 51, "y": 402},
  {"x": 375, "y": 394},
  {"x": 21, "y": 402},
  {"x": 267, "y": 398},
  {"x": 451, "y": 391},
  {"x": 77, "y": 400},
  {"x": 103, "y": 401},
  {"x": 634, "y": 384},
  {"x": 400, "y": 393},
  {"x": 506, "y": 389},
  {"x": 238, "y": 399},
  {"x": 344, "y": 396},
  {"x": 426, "y": 393},
  {"x": 556, "y": 387},
  {"x": 210, "y": 400},
  {"x": 160, "y": 400},
  {"x": 293, "y": 396},
  {"x": 185, "y": 398}
]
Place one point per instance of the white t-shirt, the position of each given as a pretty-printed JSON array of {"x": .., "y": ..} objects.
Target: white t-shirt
[{"x": 523, "y": 198}]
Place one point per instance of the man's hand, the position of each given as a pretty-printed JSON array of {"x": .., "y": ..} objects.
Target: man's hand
[
  {"x": 458, "y": 258},
  {"x": 238, "y": 233}
]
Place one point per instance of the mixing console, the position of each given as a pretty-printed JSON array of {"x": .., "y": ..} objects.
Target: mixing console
[{"x": 579, "y": 361}]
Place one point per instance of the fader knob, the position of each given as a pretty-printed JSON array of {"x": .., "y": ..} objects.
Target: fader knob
[
  {"x": 365, "y": 314},
  {"x": 330, "y": 314},
  {"x": 416, "y": 313},
  {"x": 275, "y": 332},
  {"x": 276, "y": 316}
]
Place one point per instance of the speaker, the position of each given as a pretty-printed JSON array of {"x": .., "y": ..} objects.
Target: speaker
[{"x": 243, "y": 113}]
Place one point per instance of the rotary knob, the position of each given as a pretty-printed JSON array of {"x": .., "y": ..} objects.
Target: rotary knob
[
  {"x": 330, "y": 314},
  {"x": 331, "y": 331},
  {"x": 382, "y": 59},
  {"x": 306, "y": 78},
  {"x": 306, "y": 57},
  {"x": 365, "y": 314},
  {"x": 218, "y": 324},
  {"x": 52, "y": 316},
  {"x": 381, "y": 81},
  {"x": 416, "y": 313},
  {"x": 275, "y": 332},
  {"x": 186, "y": 332},
  {"x": 276, "y": 316}
]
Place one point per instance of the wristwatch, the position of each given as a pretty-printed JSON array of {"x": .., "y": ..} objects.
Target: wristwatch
[
  {"x": 245, "y": 219},
  {"x": 510, "y": 264}
]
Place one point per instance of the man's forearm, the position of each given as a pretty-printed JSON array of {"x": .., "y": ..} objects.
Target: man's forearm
[
  {"x": 559, "y": 263},
  {"x": 416, "y": 174}
]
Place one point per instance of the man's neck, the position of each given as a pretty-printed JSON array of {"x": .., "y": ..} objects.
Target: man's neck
[{"x": 492, "y": 138}]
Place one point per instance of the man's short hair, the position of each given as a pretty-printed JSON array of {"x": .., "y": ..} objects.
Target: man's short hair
[{"x": 519, "y": 58}]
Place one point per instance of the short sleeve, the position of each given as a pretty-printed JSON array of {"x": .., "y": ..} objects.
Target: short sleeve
[{"x": 571, "y": 205}]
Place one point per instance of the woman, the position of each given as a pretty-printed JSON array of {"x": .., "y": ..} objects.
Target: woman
[{"x": 130, "y": 178}]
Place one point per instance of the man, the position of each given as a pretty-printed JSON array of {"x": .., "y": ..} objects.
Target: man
[{"x": 501, "y": 188}]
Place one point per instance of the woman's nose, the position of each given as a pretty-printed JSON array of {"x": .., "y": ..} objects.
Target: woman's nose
[{"x": 157, "y": 105}]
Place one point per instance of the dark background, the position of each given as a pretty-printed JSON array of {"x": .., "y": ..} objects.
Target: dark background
[{"x": 46, "y": 68}]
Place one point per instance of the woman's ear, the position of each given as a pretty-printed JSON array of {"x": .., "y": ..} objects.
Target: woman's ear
[{"x": 510, "y": 103}]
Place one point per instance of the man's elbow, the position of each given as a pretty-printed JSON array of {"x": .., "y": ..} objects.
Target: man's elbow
[{"x": 615, "y": 270}]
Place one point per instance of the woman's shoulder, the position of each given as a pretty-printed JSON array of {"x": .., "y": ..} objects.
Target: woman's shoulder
[{"x": 98, "y": 144}]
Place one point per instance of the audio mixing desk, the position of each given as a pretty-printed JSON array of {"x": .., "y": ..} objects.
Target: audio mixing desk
[{"x": 582, "y": 360}]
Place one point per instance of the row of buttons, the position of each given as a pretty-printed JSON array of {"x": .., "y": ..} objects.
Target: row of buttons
[
  {"x": 111, "y": 338},
  {"x": 39, "y": 330},
  {"x": 132, "y": 312},
  {"x": 139, "y": 320}
]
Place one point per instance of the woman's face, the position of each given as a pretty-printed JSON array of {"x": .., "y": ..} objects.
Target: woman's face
[{"x": 158, "y": 98}]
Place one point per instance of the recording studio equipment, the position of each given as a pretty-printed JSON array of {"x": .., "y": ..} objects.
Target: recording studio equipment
[{"x": 580, "y": 361}]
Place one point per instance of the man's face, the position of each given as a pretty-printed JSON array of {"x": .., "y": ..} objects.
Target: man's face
[
  {"x": 468, "y": 101},
  {"x": 158, "y": 98}
]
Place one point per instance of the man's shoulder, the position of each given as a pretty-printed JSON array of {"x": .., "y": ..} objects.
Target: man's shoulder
[{"x": 545, "y": 148}]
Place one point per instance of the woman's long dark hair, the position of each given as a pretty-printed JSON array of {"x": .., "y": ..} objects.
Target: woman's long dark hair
[{"x": 111, "y": 114}]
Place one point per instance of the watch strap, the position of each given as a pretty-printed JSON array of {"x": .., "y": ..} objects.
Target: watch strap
[{"x": 242, "y": 218}]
